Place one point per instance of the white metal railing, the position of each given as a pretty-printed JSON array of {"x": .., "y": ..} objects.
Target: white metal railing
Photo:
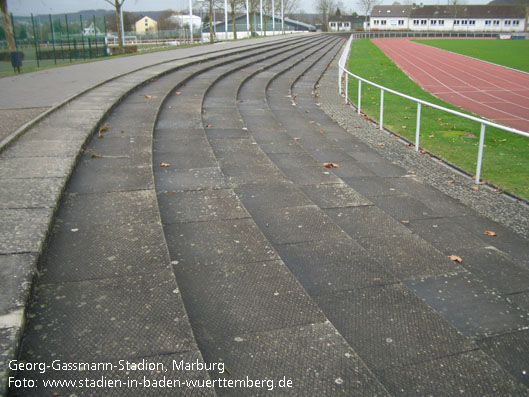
[{"x": 343, "y": 90}]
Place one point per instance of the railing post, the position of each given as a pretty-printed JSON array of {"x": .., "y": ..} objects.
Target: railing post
[
  {"x": 381, "y": 109},
  {"x": 346, "y": 87},
  {"x": 480, "y": 153},
  {"x": 359, "y": 95},
  {"x": 418, "y": 128},
  {"x": 339, "y": 79}
]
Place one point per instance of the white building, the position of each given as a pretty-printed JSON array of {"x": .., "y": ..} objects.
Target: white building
[
  {"x": 462, "y": 18},
  {"x": 183, "y": 20},
  {"x": 345, "y": 23}
]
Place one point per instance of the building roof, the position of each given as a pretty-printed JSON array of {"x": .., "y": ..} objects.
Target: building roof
[
  {"x": 347, "y": 18},
  {"x": 146, "y": 16},
  {"x": 390, "y": 11}
]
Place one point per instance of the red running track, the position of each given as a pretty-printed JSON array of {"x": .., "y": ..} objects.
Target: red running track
[{"x": 493, "y": 92}]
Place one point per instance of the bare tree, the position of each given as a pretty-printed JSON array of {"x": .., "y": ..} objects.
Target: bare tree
[
  {"x": 164, "y": 20},
  {"x": 366, "y": 6},
  {"x": 118, "y": 4},
  {"x": 235, "y": 5},
  {"x": 325, "y": 8}
]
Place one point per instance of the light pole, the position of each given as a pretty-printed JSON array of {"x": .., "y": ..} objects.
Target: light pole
[
  {"x": 261, "y": 14},
  {"x": 226, "y": 19},
  {"x": 122, "y": 26},
  {"x": 201, "y": 5},
  {"x": 191, "y": 21},
  {"x": 282, "y": 19},
  {"x": 247, "y": 19},
  {"x": 273, "y": 18}
]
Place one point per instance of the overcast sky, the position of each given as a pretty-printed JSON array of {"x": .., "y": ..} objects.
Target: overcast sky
[{"x": 26, "y": 7}]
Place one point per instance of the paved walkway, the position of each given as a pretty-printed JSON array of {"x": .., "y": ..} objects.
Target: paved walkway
[{"x": 200, "y": 226}]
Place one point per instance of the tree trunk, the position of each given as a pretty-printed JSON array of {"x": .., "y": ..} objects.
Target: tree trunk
[
  {"x": 234, "y": 25},
  {"x": 6, "y": 20},
  {"x": 119, "y": 22}
]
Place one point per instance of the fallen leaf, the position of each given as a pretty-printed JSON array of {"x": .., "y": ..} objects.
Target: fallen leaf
[
  {"x": 165, "y": 164},
  {"x": 431, "y": 136},
  {"x": 148, "y": 96},
  {"x": 306, "y": 111},
  {"x": 96, "y": 156},
  {"x": 482, "y": 182},
  {"x": 475, "y": 188},
  {"x": 404, "y": 127},
  {"x": 380, "y": 144},
  {"x": 153, "y": 80},
  {"x": 104, "y": 128},
  {"x": 490, "y": 233},
  {"x": 406, "y": 117},
  {"x": 502, "y": 140},
  {"x": 177, "y": 93},
  {"x": 451, "y": 181},
  {"x": 297, "y": 139},
  {"x": 331, "y": 165},
  {"x": 405, "y": 222},
  {"x": 321, "y": 131},
  {"x": 439, "y": 119},
  {"x": 209, "y": 126},
  {"x": 456, "y": 258}
]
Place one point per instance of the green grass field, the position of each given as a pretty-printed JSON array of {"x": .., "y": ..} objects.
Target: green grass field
[
  {"x": 506, "y": 156},
  {"x": 511, "y": 53}
]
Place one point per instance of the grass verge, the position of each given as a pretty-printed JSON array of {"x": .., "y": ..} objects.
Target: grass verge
[
  {"x": 510, "y": 53},
  {"x": 505, "y": 155}
]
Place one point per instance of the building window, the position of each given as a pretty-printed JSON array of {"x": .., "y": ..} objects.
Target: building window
[
  {"x": 333, "y": 25},
  {"x": 424, "y": 21},
  {"x": 433, "y": 22},
  {"x": 456, "y": 22},
  {"x": 415, "y": 21},
  {"x": 516, "y": 23},
  {"x": 496, "y": 22},
  {"x": 375, "y": 22},
  {"x": 487, "y": 22},
  {"x": 383, "y": 22},
  {"x": 507, "y": 22},
  {"x": 464, "y": 22},
  {"x": 401, "y": 21},
  {"x": 472, "y": 22},
  {"x": 441, "y": 22}
]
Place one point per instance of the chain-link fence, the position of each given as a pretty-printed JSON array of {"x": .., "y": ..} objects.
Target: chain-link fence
[
  {"x": 50, "y": 40},
  {"x": 44, "y": 40}
]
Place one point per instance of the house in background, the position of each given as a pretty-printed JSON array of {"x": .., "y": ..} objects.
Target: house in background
[
  {"x": 183, "y": 20},
  {"x": 90, "y": 30},
  {"x": 345, "y": 23},
  {"x": 146, "y": 25},
  {"x": 460, "y": 18}
]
